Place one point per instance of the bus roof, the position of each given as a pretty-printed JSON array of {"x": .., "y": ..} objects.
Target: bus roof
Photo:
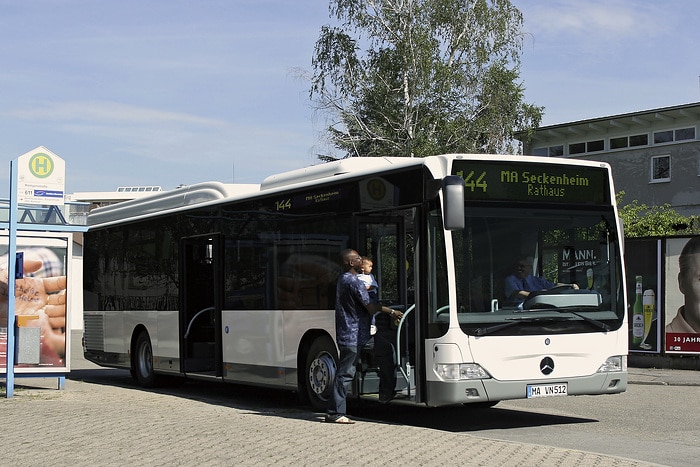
[
  {"x": 213, "y": 192},
  {"x": 351, "y": 165},
  {"x": 165, "y": 200}
]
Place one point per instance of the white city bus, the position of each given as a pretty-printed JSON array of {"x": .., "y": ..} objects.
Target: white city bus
[{"x": 206, "y": 283}]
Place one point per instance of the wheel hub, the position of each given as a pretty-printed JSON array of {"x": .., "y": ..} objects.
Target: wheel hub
[{"x": 321, "y": 374}]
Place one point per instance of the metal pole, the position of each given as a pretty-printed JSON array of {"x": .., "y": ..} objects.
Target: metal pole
[{"x": 11, "y": 259}]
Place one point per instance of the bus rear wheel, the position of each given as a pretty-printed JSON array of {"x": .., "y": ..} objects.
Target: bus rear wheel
[
  {"x": 142, "y": 361},
  {"x": 319, "y": 372}
]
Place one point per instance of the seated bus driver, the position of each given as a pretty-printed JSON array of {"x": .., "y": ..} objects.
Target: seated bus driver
[{"x": 519, "y": 284}]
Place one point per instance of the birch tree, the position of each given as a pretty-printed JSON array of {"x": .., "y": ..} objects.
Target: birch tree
[{"x": 421, "y": 77}]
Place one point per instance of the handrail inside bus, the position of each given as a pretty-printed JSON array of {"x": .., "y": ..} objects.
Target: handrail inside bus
[
  {"x": 406, "y": 373},
  {"x": 209, "y": 308}
]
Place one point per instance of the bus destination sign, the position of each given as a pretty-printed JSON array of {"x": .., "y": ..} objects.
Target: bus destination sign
[
  {"x": 308, "y": 199},
  {"x": 500, "y": 181}
]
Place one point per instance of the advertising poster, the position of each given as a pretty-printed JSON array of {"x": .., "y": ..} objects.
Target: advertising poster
[
  {"x": 40, "y": 303},
  {"x": 683, "y": 295},
  {"x": 643, "y": 268},
  {"x": 583, "y": 265}
]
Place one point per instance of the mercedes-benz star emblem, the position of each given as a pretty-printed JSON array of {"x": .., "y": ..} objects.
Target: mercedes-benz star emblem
[{"x": 546, "y": 365}]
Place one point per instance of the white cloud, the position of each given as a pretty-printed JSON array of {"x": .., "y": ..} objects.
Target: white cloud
[
  {"x": 168, "y": 148},
  {"x": 596, "y": 20},
  {"x": 105, "y": 112}
]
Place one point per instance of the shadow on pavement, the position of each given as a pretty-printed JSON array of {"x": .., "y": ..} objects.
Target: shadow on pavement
[{"x": 280, "y": 403}]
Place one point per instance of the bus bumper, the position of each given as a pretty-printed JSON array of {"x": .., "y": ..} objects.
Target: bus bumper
[{"x": 492, "y": 390}]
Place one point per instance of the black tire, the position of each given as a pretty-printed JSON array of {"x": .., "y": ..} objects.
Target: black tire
[
  {"x": 319, "y": 373},
  {"x": 142, "y": 361}
]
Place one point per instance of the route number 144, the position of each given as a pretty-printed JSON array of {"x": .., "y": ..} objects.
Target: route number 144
[{"x": 475, "y": 183}]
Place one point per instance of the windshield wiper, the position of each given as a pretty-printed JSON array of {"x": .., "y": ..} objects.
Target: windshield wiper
[
  {"x": 595, "y": 322},
  {"x": 525, "y": 319},
  {"x": 513, "y": 322}
]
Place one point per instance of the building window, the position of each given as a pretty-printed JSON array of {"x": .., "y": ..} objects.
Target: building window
[
  {"x": 556, "y": 151},
  {"x": 618, "y": 143},
  {"x": 632, "y": 141},
  {"x": 685, "y": 133},
  {"x": 668, "y": 136},
  {"x": 593, "y": 146},
  {"x": 577, "y": 148},
  {"x": 661, "y": 169},
  {"x": 552, "y": 151},
  {"x": 639, "y": 140},
  {"x": 663, "y": 137}
]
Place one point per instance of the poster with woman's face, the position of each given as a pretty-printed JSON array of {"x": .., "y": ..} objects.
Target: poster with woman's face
[
  {"x": 40, "y": 303},
  {"x": 683, "y": 295}
]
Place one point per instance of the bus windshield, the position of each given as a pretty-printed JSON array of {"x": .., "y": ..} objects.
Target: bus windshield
[{"x": 566, "y": 256}]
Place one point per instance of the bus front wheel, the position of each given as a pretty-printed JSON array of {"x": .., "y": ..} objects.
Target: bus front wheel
[
  {"x": 320, "y": 372},
  {"x": 142, "y": 361}
]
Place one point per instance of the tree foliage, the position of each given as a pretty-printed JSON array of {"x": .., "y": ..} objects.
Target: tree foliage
[
  {"x": 421, "y": 77},
  {"x": 640, "y": 220}
]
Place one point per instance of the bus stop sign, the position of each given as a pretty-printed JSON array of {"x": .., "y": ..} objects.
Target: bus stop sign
[{"x": 41, "y": 178}]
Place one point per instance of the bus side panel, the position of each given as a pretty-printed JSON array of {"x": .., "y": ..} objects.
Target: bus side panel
[
  {"x": 166, "y": 347},
  {"x": 115, "y": 337},
  {"x": 104, "y": 339},
  {"x": 297, "y": 323},
  {"x": 253, "y": 346},
  {"x": 260, "y": 346},
  {"x": 161, "y": 326}
]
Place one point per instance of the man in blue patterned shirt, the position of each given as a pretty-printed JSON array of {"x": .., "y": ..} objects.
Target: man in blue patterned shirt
[{"x": 353, "y": 313}]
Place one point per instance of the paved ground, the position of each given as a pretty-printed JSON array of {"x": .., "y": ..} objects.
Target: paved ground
[{"x": 105, "y": 421}]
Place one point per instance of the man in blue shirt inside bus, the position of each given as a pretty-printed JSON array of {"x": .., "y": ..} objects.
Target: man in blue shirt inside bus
[{"x": 519, "y": 284}]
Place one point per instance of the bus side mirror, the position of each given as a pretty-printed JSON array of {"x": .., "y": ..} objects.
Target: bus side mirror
[{"x": 453, "y": 202}]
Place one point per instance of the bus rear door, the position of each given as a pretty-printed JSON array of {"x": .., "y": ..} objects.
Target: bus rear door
[{"x": 200, "y": 305}]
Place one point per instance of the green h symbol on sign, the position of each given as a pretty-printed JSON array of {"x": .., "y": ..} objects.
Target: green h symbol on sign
[{"x": 41, "y": 165}]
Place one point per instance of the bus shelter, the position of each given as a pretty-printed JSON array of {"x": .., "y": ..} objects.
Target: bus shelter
[{"x": 36, "y": 280}]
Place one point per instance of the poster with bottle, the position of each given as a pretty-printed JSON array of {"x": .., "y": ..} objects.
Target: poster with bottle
[
  {"x": 637, "y": 314},
  {"x": 682, "y": 301},
  {"x": 584, "y": 266},
  {"x": 643, "y": 259}
]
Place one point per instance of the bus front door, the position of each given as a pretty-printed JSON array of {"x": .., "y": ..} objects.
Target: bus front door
[
  {"x": 200, "y": 305},
  {"x": 388, "y": 241}
]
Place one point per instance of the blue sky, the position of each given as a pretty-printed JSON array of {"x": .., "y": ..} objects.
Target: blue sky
[{"x": 158, "y": 92}]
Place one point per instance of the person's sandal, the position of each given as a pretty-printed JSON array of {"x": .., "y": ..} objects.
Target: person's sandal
[{"x": 342, "y": 420}]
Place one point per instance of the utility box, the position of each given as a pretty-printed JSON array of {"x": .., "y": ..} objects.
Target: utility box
[{"x": 28, "y": 340}]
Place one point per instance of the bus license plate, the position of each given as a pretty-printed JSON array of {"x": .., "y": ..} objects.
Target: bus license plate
[{"x": 546, "y": 390}]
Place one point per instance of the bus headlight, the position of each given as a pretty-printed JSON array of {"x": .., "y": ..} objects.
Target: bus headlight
[
  {"x": 614, "y": 364},
  {"x": 460, "y": 371}
]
